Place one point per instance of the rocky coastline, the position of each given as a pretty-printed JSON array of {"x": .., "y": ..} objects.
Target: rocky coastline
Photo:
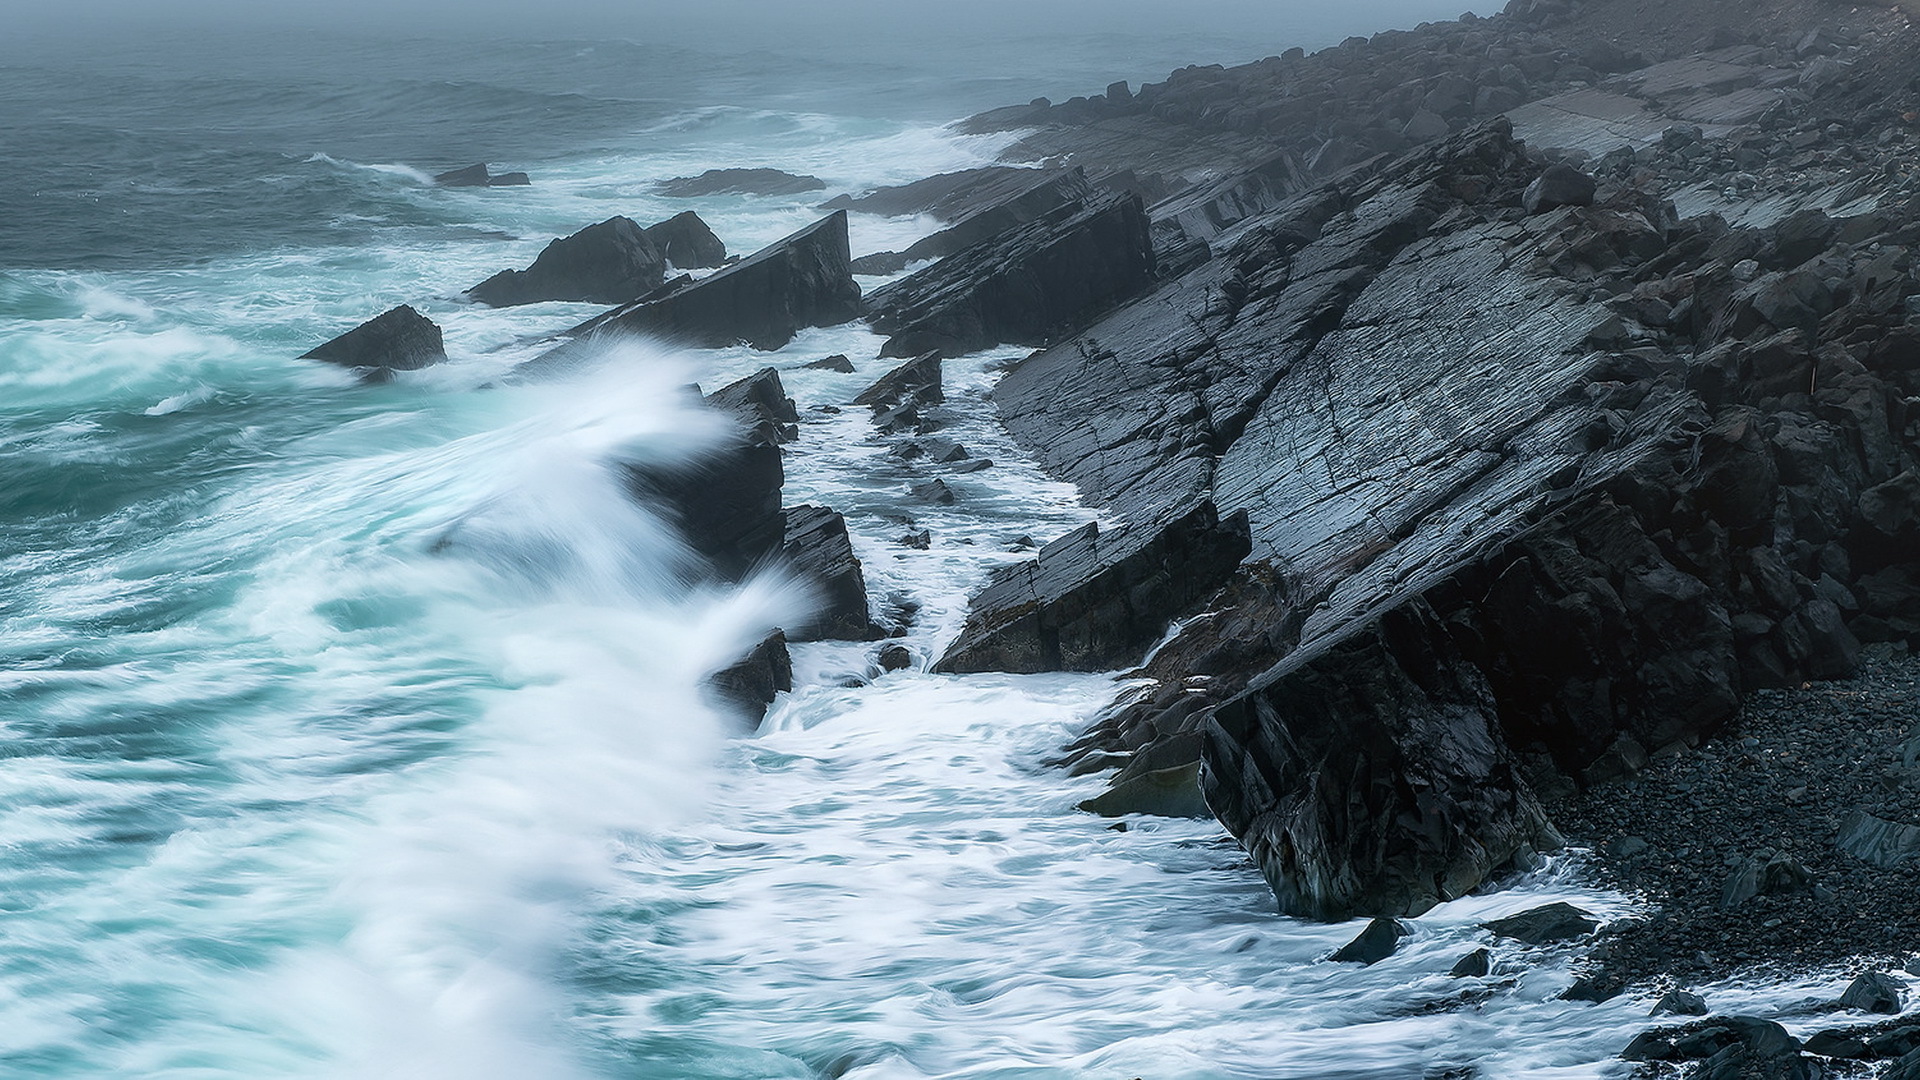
[{"x": 1517, "y": 419}]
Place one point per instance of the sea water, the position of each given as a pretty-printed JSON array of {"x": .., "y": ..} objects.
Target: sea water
[{"x": 356, "y": 731}]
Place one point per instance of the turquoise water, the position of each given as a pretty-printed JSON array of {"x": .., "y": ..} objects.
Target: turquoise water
[{"x": 354, "y": 731}]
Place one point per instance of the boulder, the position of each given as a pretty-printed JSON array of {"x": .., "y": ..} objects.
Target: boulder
[
  {"x": 739, "y": 182},
  {"x": 1875, "y": 992},
  {"x": 1170, "y": 792},
  {"x": 1875, "y": 840},
  {"x": 400, "y": 340},
  {"x": 916, "y": 382},
  {"x": 1093, "y": 601},
  {"x": 1027, "y": 285},
  {"x": 1679, "y": 1003},
  {"x": 726, "y": 502},
  {"x": 749, "y": 685},
  {"x": 1475, "y": 965},
  {"x": 608, "y": 263},
  {"x": 1729, "y": 1048},
  {"x": 894, "y": 656},
  {"x": 1377, "y": 942},
  {"x": 686, "y": 242},
  {"x": 763, "y": 300},
  {"x": 1560, "y": 185},
  {"x": 1545, "y": 924},
  {"x": 819, "y": 551},
  {"x": 837, "y": 362},
  {"x": 510, "y": 179}
]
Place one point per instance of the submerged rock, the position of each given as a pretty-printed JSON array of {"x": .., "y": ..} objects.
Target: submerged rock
[
  {"x": 740, "y": 182},
  {"x": 399, "y": 340},
  {"x": 1378, "y": 941},
  {"x": 608, "y": 263},
  {"x": 1546, "y": 924},
  {"x": 477, "y": 176}
]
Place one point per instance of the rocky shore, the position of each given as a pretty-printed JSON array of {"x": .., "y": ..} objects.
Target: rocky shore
[{"x": 1516, "y": 421}]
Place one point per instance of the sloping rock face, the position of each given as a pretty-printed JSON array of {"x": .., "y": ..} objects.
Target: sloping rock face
[
  {"x": 763, "y": 300},
  {"x": 1093, "y": 601},
  {"x": 750, "y": 684},
  {"x": 399, "y": 340},
  {"x": 948, "y": 196},
  {"x": 760, "y": 402},
  {"x": 1027, "y": 285},
  {"x": 1046, "y": 193},
  {"x": 1526, "y": 493},
  {"x": 687, "y": 242},
  {"x": 608, "y": 263},
  {"x": 726, "y": 502}
]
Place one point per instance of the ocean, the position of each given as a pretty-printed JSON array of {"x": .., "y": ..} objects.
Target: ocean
[{"x": 355, "y": 731}]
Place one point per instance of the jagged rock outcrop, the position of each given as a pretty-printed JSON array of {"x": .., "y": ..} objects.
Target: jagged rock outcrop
[
  {"x": 687, "y": 242},
  {"x": 760, "y": 402},
  {"x": 819, "y": 551},
  {"x": 1526, "y": 492},
  {"x": 725, "y": 501},
  {"x": 1046, "y": 192},
  {"x": 608, "y": 263},
  {"x": 750, "y": 684},
  {"x": 763, "y": 300},
  {"x": 1029, "y": 285},
  {"x": 740, "y": 182},
  {"x": 1094, "y": 600},
  {"x": 399, "y": 340}
]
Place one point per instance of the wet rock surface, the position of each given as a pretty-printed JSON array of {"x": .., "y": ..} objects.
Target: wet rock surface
[
  {"x": 608, "y": 263},
  {"x": 740, "y": 182},
  {"x": 763, "y": 300},
  {"x": 479, "y": 176},
  {"x": 686, "y": 242},
  {"x": 399, "y": 340}
]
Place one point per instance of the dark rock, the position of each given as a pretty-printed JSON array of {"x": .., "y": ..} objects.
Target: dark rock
[
  {"x": 471, "y": 176},
  {"x": 942, "y": 450},
  {"x": 1705, "y": 1038},
  {"x": 750, "y": 685},
  {"x": 1772, "y": 875},
  {"x": 1875, "y": 992},
  {"x": 510, "y": 179},
  {"x": 400, "y": 340},
  {"x": 1048, "y": 194},
  {"x": 818, "y": 549},
  {"x": 920, "y": 539},
  {"x": 1093, "y": 601},
  {"x": 726, "y": 502},
  {"x": 1680, "y": 1003},
  {"x": 1171, "y": 792},
  {"x": 1542, "y": 925},
  {"x": 1595, "y": 988},
  {"x": 740, "y": 182},
  {"x": 1878, "y": 841},
  {"x": 1027, "y": 285},
  {"x": 609, "y": 263},
  {"x": 948, "y": 196},
  {"x": 972, "y": 465},
  {"x": 1475, "y": 965},
  {"x": 934, "y": 491},
  {"x": 1377, "y": 942},
  {"x": 760, "y": 403},
  {"x": 763, "y": 300},
  {"x": 1560, "y": 185},
  {"x": 916, "y": 382},
  {"x": 836, "y": 362},
  {"x": 894, "y": 657},
  {"x": 686, "y": 242}
]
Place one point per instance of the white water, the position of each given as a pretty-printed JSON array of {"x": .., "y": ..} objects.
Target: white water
[{"x": 356, "y": 732}]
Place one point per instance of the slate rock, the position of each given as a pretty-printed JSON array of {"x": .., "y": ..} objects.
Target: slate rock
[
  {"x": 1558, "y": 921},
  {"x": 1171, "y": 792},
  {"x": 740, "y": 182},
  {"x": 1560, "y": 185},
  {"x": 837, "y": 362},
  {"x": 1378, "y": 941},
  {"x": 510, "y": 179},
  {"x": 1027, "y": 285},
  {"x": 686, "y": 242},
  {"x": 820, "y": 552},
  {"x": 470, "y": 176},
  {"x": 760, "y": 403},
  {"x": 1048, "y": 193},
  {"x": 608, "y": 263},
  {"x": 399, "y": 340},
  {"x": 916, "y": 382},
  {"x": 1092, "y": 601},
  {"x": 762, "y": 300},
  {"x": 749, "y": 685},
  {"x": 894, "y": 656},
  {"x": 725, "y": 502},
  {"x": 947, "y": 196},
  {"x": 1680, "y": 1003},
  {"x": 1886, "y": 844}
]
